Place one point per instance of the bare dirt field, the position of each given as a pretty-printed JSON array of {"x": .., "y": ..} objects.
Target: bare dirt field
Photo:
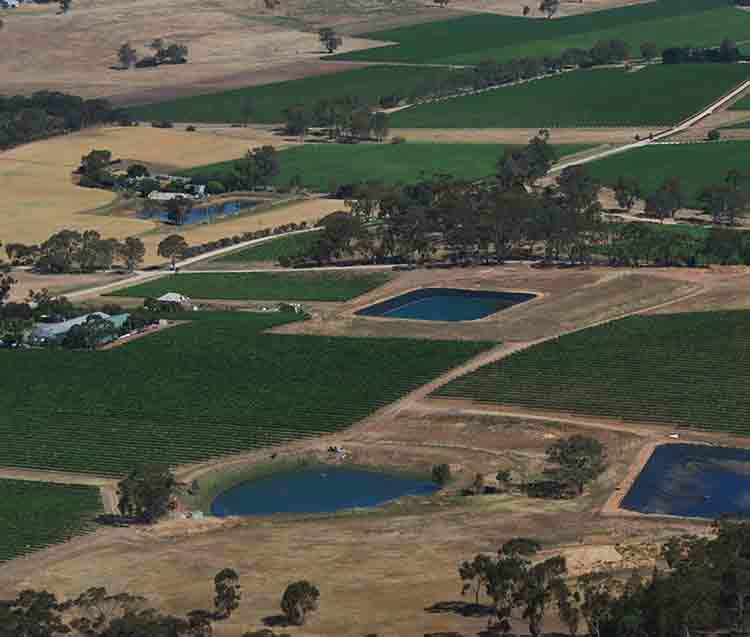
[
  {"x": 40, "y": 197},
  {"x": 58, "y": 52},
  {"x": 515, "y": 7},
  {"x": 521, "y": 135},
  {"x": 55, "y": 283},
  {"x": 571, "y": 298}
]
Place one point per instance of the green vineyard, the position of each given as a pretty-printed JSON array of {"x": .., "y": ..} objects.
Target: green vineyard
[
  {"x": 214, "y": 386},
  {"x": 684, "y": 370},
  {"x": 34, "y": 515},
  {"x": 265, "y": 286}
]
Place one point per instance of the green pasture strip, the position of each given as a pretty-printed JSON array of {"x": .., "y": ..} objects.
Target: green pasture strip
[
  {"x": 217, "y": 385},
  {"x": 324, "y": 167},
  {"x": 265, "y": 286},
  {"x": 696, "y": 165},
  {"x": 656, "y": 96},
  {"x": 273, "y": 250},
  {"x": 34, "y": 515},
  {"x": 680, "y": 369},
  {"x": 269, "y": 101},
  {"x": 471, "y": 39}
]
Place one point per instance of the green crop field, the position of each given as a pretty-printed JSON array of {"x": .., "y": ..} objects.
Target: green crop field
[
  {"x": 287, "y": 246},
  {"x": 323, "y": 167},
  {"x": 270, "y": 100},
  {"x": 681, "y": 369},
  {"x": 217, "y": 385},
  {"x": 471, "y": 39},
  {"x": 34, "y": 515},
  {"x": 262, "y": 286},
  {"x": 697, "y": 165},
  {"x": 656, "y": 96}
]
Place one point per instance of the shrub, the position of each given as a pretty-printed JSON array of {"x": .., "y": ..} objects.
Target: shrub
[
  {"x": 190, "y": 129},
  {"x": 398, "y": 140},
  {"x": 441, "y": 474},
  {"x": 215, "y": 188},
  {"x": 714, "y": 135},
  {"x": 163, "y": 124}
]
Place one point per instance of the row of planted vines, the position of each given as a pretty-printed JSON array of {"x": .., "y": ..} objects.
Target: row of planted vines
[
  {"x": 34, "y": 515},
  {"x": 684, "y": 370},
  {"x": 216, "y": 385}
]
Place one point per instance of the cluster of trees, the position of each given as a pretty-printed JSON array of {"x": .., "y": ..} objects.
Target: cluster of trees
[
  {"x": 73, "y": 251},
  {"x": 47, "y": 113},
  {"x": 728, "y": 52},
  {"x": 163, "y": 53},
  {"x": 329, "y": 39},
  {"x": 704, "y": 590},
  {"x": 257, "y": 169},
  {"x": 97, "y": 613},
  {"x": 344, "y": 117},
  {"x": 497, "y": 218}
]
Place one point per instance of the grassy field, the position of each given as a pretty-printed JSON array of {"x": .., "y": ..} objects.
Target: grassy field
[
  {"x": 215, "y": 386},
  {"x": 270, "y": 100},
  {"x": 656, "y": 95},
  {"x": 471, "y": 39},
  {"x": 323, "y": 167},
  {"x": 680, "y": 369},
  {"x": 240, "y": 286},
  {"x": 697, "y": 165},
  {"x": 273, "y": 250},
  {"x": 37, "y": 514}
]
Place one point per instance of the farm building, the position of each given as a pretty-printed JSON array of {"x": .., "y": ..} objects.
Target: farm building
[
  {"x": 54, "y": 333},
  {"x": 177, "y": 299}
]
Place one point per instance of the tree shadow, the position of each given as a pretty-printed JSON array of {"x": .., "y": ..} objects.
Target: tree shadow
[
  {"x": 108, "y": 519},
  {"x": 465, "y": 609},
  {"x": 275, "y": 621}
]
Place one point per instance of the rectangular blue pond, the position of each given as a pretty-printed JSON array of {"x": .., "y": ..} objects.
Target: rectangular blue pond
[
  {"x": 697, "y": 481},
  {"x": 445, "y": 304}
]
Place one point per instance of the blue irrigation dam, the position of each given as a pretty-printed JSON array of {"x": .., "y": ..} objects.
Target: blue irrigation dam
[
  {"x": 321, "y": 489},
  {"x": 202, "y": 214},
  {"x": 445, "y": 304},
  {"x": 694, "y": 481}
]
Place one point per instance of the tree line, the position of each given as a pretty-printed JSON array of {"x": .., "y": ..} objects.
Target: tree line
[
  {"x": 48, "y": 113},
  {"x": 98, "y": 613},
  {"x": 73, "y": 251},
  {"x": 344, "y": 117},
  {"x": 703, "y": 590},
  {"x": 163, "y": 53}
]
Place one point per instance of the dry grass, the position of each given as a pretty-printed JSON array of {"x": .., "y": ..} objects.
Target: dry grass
[
  {"x": 40, "y": 198},
  {"x": 515, "y": 7},
  {"x": 521, "y": 135},
  {"x": 56, "y": 283},
  {"x": 74, "y": 52}
]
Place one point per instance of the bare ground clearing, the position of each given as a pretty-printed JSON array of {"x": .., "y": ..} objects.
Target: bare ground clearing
[
  {"x": 522, "y": 135},
  {"x": 567, "y": 7},
  {"x": 571, "y": 299},
  {"x": 55, "y": 283}
]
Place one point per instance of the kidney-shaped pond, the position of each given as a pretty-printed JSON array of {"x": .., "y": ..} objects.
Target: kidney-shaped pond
[
  {"x": 318, "y": 490},
  {"x": 694, "y": 481}
]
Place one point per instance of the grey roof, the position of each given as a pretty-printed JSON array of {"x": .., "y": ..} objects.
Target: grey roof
[{"x": 46, "y": 331}]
